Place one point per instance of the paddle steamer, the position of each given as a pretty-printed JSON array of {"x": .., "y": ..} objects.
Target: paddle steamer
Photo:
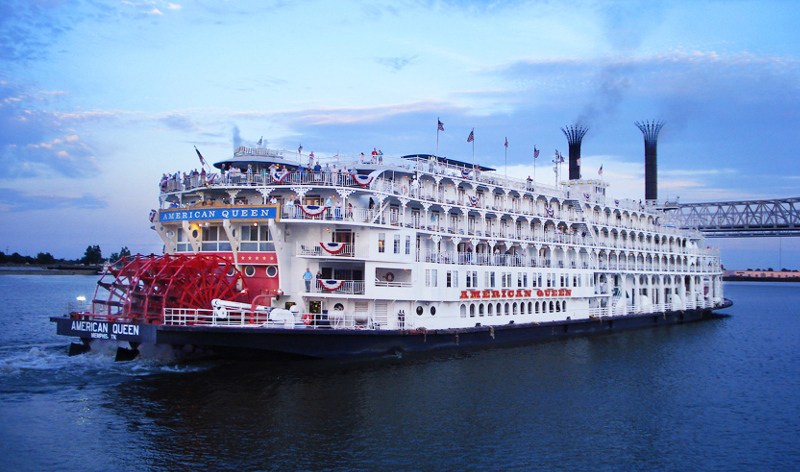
[{"x": 273, "y": 253}]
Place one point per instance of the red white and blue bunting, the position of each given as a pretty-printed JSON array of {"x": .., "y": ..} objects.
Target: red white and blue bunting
[
  {"x": 313, "y": 210},
  {"x": 464, "y": 172},
  {"x": 550, "y": 212},
  {"x": 362, "y": 180},
  {"x": 586, "y": 196},
  {"x": 333, "y": 248},
  {"x": 279, "y": 175},
  {"x": 331, "y": 285},
  {"x": 473, "y": 201}
]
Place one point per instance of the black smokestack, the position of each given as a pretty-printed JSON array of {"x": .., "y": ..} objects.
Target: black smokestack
[
  {"x": 574, "y": 136},
  {"x": 650, "y": 131}
]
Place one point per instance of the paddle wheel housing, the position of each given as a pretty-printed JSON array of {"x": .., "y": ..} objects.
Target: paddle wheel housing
[{"x": 138, "y": 289}]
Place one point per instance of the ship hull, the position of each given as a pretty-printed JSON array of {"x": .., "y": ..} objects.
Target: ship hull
[{"x": 318, "y": 343}]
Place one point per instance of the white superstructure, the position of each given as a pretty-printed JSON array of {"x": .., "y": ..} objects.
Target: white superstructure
[{"x": 425, "y": 242}]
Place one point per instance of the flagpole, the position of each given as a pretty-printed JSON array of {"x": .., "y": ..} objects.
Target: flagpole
[
  {"x": 473, "y": 147},
  {"x": 505, "y": 159},
  {"x": 438, "y": 121},
  {"x": 534, "y": 163}
]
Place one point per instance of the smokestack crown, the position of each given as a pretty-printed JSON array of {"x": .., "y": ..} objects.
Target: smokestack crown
[{"x": 650, "y": 130}]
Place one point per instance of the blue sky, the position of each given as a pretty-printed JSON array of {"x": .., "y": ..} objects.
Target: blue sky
[{"x": 99, "y": 98}]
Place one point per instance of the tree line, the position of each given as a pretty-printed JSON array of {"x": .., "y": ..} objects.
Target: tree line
[{"x": 92, "y": 256}]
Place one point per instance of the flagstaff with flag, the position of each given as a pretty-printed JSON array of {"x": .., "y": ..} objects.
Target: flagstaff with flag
[
  {"x": 505, "y": 157},
  {"x": 202, "y": 161},
  {"x": 535, "y": 155},
  {"x": 439, "y": 127},
  {"x": 600, "y": 172},
  {"x": 471, "y": 139}
]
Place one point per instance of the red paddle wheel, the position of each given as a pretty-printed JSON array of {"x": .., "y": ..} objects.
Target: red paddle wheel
[{"x": 138, "y": 289}]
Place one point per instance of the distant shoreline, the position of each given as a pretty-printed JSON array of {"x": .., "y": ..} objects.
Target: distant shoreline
[
  {"x": 34, "y": 270},
  {"x": 741, "y": 278}
]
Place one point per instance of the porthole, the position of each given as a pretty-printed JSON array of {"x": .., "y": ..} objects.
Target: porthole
[
  {"x": 433, "y": 310},
  {"x": 249, "y": 271},
  {"x": 338, "y": 307},
  {"x": 272, "y": 271},
  {"x": 420, "y": 310},
  {"x": 231, "y": 271}
]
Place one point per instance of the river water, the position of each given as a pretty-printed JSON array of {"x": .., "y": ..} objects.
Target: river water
[{"x": 715, "y": 395}]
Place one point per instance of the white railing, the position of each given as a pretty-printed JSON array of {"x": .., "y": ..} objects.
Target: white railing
[{"x": 203, "y": 317}]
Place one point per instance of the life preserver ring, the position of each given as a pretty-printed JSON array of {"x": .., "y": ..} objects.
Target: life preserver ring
[
  {"x": 405, "y": 189},
  {"x": 308, "y": 318},
  {"x": 389, "y": 277}
]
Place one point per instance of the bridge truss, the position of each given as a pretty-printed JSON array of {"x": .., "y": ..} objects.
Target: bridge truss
[{"x": 744, "y": 219}]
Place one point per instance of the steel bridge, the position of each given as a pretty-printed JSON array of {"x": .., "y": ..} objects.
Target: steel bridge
[{"x": 745, "y": 219}]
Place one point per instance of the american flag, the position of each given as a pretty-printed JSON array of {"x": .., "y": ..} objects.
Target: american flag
[
  {"x": 600, "y": 172},
  {"x": 506, "y": 145},
  {"x": 535, "y": 152},
  {"x": 202, "y": 161},
  {"x": 300, "y": 149},
  {"x": 471, "y": 136},
  {"x": 260, "y": 140},
  {"x": 441, "y": 125}
]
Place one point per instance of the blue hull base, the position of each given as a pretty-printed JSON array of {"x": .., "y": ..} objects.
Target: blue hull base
[{"x": 339, "y": 343}]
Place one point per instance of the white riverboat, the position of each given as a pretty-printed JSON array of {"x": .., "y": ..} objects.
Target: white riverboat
[{"x": 274, "y": 253}]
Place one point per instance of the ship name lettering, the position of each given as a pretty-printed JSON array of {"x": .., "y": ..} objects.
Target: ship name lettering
[
  {"x": 125, "y": 329},
  {"x": 90, "y": 326},
  {"x": 519, "y": 293}
]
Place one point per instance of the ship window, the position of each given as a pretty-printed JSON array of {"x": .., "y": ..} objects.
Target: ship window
[
  {"x": 381, "y": 242},
  {"x": 338, "y": 307},
  {"x": 397, "y": 244},
  {"x": 472, "y": 310},
  {"x": 507, "y": 309},
  {"x": 480, "y": 309},
  {"x": 420, "y": 310},
  {"x": 408, "y": 244},
  {"x": 433, "y": 310},
  {"x": 449, "y": 278},
  {"x": 272, "y": 271},
  {"x": 489, "y": 309},
  {"x": 463, "y": 310},
  {"x": 249, "y": 271}
]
